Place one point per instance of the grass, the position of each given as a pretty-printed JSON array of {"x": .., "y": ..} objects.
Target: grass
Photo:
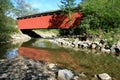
[
  {"x": 55, "y": 31},
  {"x": 112, "y": 36}
]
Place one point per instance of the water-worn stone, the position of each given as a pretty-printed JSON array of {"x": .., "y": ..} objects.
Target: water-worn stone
[
  {"x": 105, "y": 50},
  {"x": 76, "y": 78},
  {"x": 51, "y": 65},
  {"x": 104, "y": 76},
  {"x": 82, "y": 75},
  {"x": 85, "y": 45},
  {"x": 115, "y": 49},
  {"x": 65, "y": 74},
  {"x": 93, "y": 45}
]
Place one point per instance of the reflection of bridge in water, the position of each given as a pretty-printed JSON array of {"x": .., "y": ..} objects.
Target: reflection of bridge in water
[
  {"x": 44, "y": 50},
  {"x": 35, "y": 54},
  {"x": 62, "y": 58}
]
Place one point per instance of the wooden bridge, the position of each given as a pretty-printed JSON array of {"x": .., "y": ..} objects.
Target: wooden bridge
[{"x": 46, "y": 20}]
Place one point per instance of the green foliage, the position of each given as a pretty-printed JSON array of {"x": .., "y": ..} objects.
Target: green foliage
[
  {"x": 4, "y": 37},
  {"x": 68, "y": 7},
  {"x": 6, "y": 23},
  {"x": 5, "y": 7},
  {"x": 111, "y": 36},
  {"x": 100, "y": 14}
]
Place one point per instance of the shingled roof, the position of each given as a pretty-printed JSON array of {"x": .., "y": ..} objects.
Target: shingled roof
[{"x": 41, "y": 14}]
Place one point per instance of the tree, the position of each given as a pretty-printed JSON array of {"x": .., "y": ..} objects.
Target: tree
[
  {"x": 5, "y": 6},
  {"x": 6, "y": 23},
  {"x": 24, "y": 9},
  {"x": 68, "y": 7},
  {"x": 5, "y": 9},
  {"x": 103, "y": 14}
]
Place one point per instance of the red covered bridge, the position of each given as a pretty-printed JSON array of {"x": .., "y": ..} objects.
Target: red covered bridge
[{"x": 53, "y": 19}]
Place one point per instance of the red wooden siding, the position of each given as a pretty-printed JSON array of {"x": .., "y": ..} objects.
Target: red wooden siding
[{"x": 49, "y": 21}]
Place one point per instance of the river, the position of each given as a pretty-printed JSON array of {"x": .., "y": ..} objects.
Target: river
[{"x": 88, "y": 61}]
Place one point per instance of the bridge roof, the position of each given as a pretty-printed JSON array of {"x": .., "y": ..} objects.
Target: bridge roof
[{"x": 41, "y": 14}]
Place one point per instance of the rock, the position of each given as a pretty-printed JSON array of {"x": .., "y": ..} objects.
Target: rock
[
  {"x": 107, "y": 46},
  {"x": 117, "y": 47},
  {"x": 105, "y": 50},
  {"x": 117, "y": 50},
  {"x": 75, "y": 78},
  {"x": 104, "y": 76},
  {"x": 19, "y": 37},
  {"x": 93, "y": 45},
  {"x": 82, "y": 75},
  {"x": 24, "y": 67},
  {"x": 65, "y": 74},
  {"x": 75, "y": 43},
  {"x": 85, "y": 45},
  {"x": 4, "y": 76},
  {"x": 80, "y": 43},
  {"x": 102, "y": 41},
  {"x": 84, "y": 38},
  {"x": 51, "y": 66},
  {"x": 113, "y": 49},
  {"x": 118, "y": 44}
]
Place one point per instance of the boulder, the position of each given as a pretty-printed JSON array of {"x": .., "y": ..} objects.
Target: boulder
[
  {"x": 65, "y": 74},
  {"x": 117, "y": 48},
  {"x": 84, "y": 45},
  {"x": 76, "y": 41},
  {"x": 93, "y": 45},
  {"x": 52, "y": 66},
  {"x": 104, "y": 76},
  {"x": 102, "y": 41},
  {"x": 113, "y": 49},
  {"x": 80, "y": 43},
  {"x": 105, "y": 50},
  {"x": 118, "y": 44}
]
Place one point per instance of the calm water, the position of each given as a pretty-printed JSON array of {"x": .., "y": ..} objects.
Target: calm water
[{"x": 87, "y": 61}]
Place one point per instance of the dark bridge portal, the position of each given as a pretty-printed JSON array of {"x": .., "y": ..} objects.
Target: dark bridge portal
[{"x": 31, "y": 33}]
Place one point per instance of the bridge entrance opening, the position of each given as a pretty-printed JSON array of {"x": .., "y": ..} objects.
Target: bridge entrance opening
[{"x": 31, "y": 33}]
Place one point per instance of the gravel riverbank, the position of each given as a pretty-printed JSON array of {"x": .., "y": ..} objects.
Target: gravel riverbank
[
  {"x": 21, "y": 68},
  {"x": 100, "y": 45}
]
